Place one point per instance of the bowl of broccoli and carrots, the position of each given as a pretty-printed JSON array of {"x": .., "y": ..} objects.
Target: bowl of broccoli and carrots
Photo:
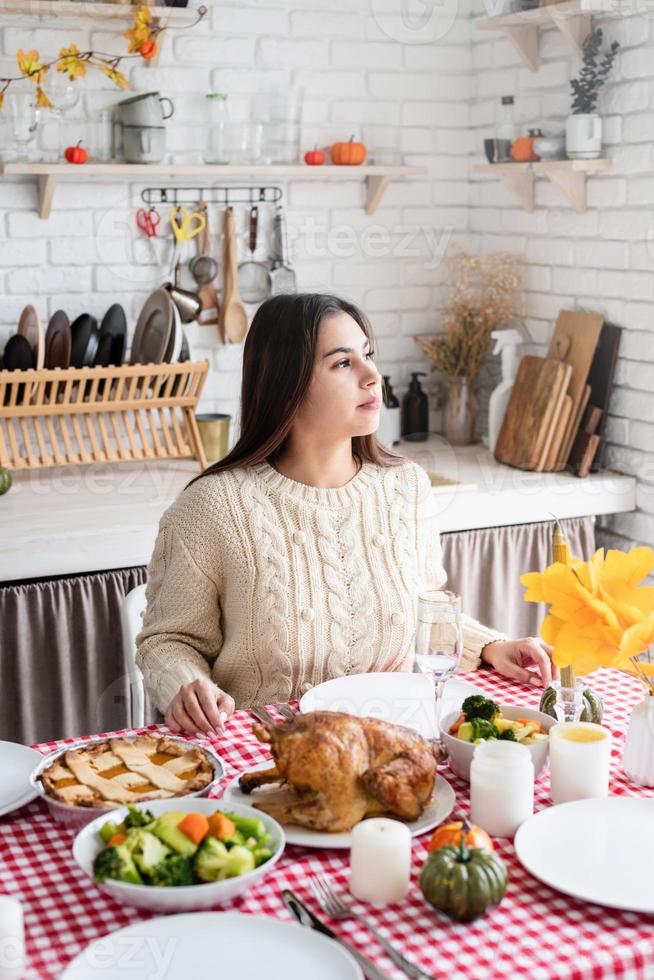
[
  {"x": 481, "y": 718},
  {"x": 178, "y": 855}
]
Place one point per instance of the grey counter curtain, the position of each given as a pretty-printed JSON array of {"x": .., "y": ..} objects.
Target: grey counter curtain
[
  {"x": 62, "y": 670},
  {"x": 484, "y": 568}
]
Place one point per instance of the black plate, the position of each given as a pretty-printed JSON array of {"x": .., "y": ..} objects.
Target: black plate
[
  {"x": 58, "y": 341},
  {"x": 84, "y": 331},
  {"x": 111, "y": 342},
  {"x": 18, "y": 356}
]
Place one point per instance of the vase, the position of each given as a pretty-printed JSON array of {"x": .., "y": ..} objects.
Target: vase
[
  {"x": 569, "y": 702},
  {"x": 460, "y": 412},
  {"x": 583, "y": 136},
  {"x": 638, "y": 754}
]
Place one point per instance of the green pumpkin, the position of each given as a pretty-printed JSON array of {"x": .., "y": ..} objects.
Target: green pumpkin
[
  {"x": 5, "y": 480},
  {"x": 593, "y": 706},
  {"x": 463, "y": 882}
]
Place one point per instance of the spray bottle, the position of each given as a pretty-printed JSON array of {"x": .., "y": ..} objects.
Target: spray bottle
[{"x": 506, "y": 344}]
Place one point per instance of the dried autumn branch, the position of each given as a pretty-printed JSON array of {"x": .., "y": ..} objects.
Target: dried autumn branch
[
  {"x": 141, "y": 43},
  {"x": 483, "y": 295}
]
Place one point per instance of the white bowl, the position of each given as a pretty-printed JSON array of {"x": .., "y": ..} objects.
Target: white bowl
[
  {"x": 185, "y": 898},
  {"x": 75, "y": 817},
  {"x": 460, "y": 752}
]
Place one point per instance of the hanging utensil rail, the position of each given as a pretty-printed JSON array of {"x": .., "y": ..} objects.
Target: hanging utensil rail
[{"x": 211, "y": 195}]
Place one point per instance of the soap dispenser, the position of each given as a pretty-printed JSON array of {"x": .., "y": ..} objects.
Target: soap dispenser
[
  {"x": 415, "y": 411},
  {"x": 506, "y": 344}
]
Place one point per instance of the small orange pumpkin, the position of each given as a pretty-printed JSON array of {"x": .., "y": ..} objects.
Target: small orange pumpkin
[
  {"x": 522, "y": 149},
  {"x": 349, "y": 154},
  {"x": 451, "y": 833},
  {"x": 76, "y": 154}
]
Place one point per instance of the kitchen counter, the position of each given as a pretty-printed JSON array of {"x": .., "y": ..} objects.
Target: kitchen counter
[{"x": 72, "y": 520}]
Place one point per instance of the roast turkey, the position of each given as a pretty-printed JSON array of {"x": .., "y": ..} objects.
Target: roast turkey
[{"x": 335, "y": 769}]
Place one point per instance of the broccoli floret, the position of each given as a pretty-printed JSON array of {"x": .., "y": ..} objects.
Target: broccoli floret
[
  {"x": 483, "y": 729},
  {"x": 146, "y": 849},
  {"x": 213, "y": 862},
  {"x": 508, "y": 735},
  {"x": 175, "y": 869},
  {"x": 116, "y": 862},
  {"x": 136, "y": 817},
  {"x": 477, "y": 706}
]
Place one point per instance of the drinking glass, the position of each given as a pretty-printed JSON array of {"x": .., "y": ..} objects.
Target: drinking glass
[
  {"x": 24, "y": 119},
  {"x": 439, "y": 642}
]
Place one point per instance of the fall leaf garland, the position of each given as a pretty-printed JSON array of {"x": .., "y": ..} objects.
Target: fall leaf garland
[{"x": 141, "y": 43}]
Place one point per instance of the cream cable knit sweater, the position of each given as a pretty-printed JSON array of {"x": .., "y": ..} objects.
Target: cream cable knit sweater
[{"x": 269, "y": 586}]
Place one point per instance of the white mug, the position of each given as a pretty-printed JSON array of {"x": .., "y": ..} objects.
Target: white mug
[
  {"x": 144, "y": 144},
  {"x": 145, "y": 110}
]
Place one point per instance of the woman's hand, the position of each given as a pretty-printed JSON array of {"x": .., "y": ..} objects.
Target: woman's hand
[
  {"x": 512, "y": 658},
  {"x": 200, "y": 708}
]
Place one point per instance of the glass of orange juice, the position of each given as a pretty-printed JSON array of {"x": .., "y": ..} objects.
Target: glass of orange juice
[{"x": 580, "y": 759}]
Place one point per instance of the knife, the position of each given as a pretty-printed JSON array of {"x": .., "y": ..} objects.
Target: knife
[{"x": 309, "y": 920}]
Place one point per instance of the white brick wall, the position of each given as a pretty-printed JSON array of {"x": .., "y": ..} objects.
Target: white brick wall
[
  {"x": 362, "y": 64},
  {"x": 360, "y": 67},
  {"x": 602, "y": 260}
]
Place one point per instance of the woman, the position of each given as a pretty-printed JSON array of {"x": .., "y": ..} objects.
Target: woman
[{"x": 299, "y": 556}]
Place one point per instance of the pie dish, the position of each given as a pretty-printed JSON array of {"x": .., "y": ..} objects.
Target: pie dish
[{"x": 87, "y": 777}]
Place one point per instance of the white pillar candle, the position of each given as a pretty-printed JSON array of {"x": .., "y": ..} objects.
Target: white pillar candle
[
  {"x": 12, "y": 939},
  {"x": 580, "y": 759},
  {"x": 380, "y": 861}
]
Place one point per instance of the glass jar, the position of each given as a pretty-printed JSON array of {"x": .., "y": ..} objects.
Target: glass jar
[
  {"x": 217, "y": 147},
  {"x": 501, "y": 787}
]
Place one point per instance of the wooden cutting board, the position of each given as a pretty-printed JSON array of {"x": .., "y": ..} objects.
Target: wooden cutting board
[
  {"x": 575, "y": 338},
  {"x": 558, "y": 429},
  {"x": 572, "y": 429},
  {"x": 600, "y": 379},
  {"x": 535, "y": 400}
]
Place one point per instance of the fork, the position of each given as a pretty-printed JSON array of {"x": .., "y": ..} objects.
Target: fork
[
  {"x": 333, "y": 905},
  {"x": 286, "y": 711}
]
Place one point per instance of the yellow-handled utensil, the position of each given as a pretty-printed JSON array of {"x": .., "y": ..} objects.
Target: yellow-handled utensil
[{"x": 186, "y": 225}]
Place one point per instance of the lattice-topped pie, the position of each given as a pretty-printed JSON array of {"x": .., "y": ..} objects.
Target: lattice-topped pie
[{"x": 121, "y": 771}]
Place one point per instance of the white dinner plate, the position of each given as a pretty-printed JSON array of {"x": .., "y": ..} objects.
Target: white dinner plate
[
  {"x": 597, "y": 850},
  {"x": 216, "y": 944},
  {"x": 399, "y": 697},
  {"x": 440, "y": 807},
  {"x": 17, "y": 763}
]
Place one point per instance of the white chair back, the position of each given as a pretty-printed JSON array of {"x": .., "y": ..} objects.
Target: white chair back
[{"x": 131, "y": 618}]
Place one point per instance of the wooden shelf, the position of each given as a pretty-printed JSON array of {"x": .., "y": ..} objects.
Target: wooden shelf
[
  {"x": 48, "y": 174},
  {"x": 572, "y": 18},
  {"x": 96, "y": 11},
  {"x": 568, "y": 175}
]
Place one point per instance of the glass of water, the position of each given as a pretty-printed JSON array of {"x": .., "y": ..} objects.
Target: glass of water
[{"x": 439, "y": 641}]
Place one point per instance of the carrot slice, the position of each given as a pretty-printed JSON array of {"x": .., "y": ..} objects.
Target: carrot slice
[
  {"x": 116, "y": 839},
  {"x": 221, "y": 826},
  {"x": 457, "y": 724},
  {"x": 195, "y": 826}
]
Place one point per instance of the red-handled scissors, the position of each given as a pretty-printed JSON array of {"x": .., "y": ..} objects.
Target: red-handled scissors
[{"x": 148, "y": 221}]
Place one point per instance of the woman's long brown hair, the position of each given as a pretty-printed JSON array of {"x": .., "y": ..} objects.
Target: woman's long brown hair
[{"x": 278, "y": 360}]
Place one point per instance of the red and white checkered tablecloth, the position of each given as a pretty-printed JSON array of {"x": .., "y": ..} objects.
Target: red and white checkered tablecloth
[{"x": 536, "y": 932}]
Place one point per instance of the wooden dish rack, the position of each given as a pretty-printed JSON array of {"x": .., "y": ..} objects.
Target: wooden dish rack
[{"x": 58, "y": 417}]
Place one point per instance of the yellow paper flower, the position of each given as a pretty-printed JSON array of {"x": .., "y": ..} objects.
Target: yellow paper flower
[{"x": 599, "y": 615}]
